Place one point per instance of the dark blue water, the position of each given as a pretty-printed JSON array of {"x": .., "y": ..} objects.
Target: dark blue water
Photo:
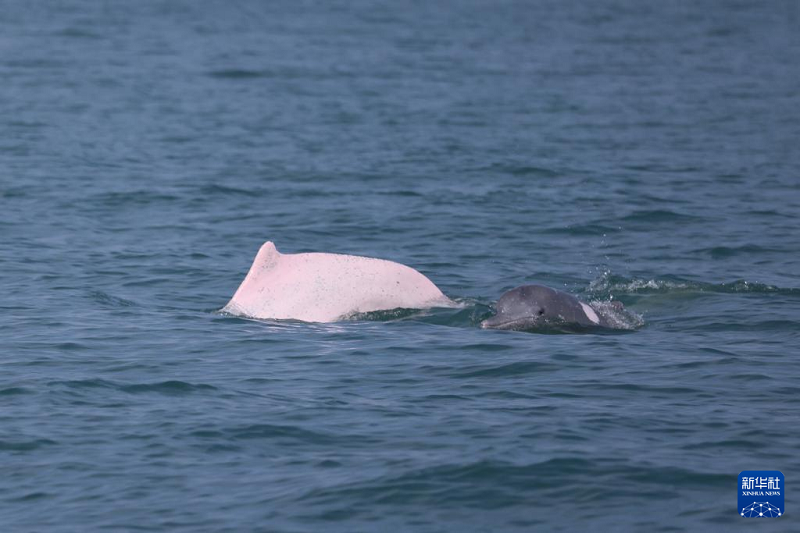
[{"x": 647, "y": 153}]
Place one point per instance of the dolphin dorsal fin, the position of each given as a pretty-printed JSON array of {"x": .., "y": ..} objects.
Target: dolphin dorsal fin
[
  {"x": 266, "y": 259},
  {"x": 268, "y": 253}
]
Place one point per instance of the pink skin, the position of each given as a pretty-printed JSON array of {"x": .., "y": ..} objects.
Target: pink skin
[{"x": 320, "y": 287}]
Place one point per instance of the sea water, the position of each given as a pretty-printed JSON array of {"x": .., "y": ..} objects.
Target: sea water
[{"x": 626, "y": 151}]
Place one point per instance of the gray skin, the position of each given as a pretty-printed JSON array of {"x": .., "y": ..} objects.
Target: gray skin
[{"x": 530, "y": 306}]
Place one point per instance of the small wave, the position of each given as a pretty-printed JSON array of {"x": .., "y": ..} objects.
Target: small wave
[
  {"x": 484, "y": 483},
  {"x": 729, "y": 444},
  {"x": 441, "y": 309},
  {"x": 31, "y": 496},
  {"x": 385, "y": 315},
  {"x": 723, "y": 252},
  {"x": 24, "y": 446},
  {"x": 273, "y": 431},
  {"x": 769, "y": 213},
  {"x": 15, "y": 193},
  {"x": 529, "y": 170},
  {"x": 590, "y": 229},
  {"x": 608, "y": 284},
  {"x": 658, "y": 215},
  {"x": 216, "y": 189},
  {"x": 294, "y": 433},
  {"x": 120, "y": 199},
  {"x": 78, "y": 33},
  {"x": 402, "y": 193},
  {"x": 110, "y": 301},
  {"x": 34, "y": 63},
  {"x": 522, "y": 170},
  {"x": 83, "y": 384},
  {"x": 14, "y": 391},
  {"x": 170, "y": 387},
  {"x": 757, "y": 326},
  {"x": 239, "y": 74},
  {"x": 519, "y": 368}
]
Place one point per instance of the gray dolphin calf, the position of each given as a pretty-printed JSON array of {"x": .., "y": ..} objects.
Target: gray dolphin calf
[{"x": 531, "y": 306}]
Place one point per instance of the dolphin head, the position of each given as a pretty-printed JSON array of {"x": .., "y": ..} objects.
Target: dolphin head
[
  {"x": 532, "y": 306},
  {"x": 521, "y": 308}
]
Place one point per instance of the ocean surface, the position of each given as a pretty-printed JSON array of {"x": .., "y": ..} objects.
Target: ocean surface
[{"x": 637, "y": 151}]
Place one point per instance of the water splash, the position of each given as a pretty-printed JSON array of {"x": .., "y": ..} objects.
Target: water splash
[{"x": 617, "y": 316}]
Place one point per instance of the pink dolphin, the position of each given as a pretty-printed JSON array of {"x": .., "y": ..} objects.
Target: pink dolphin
[{"x": 321, "y": 287}]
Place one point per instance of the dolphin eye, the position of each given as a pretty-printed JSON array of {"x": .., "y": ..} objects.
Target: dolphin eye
[{"x": 541, "y": 311}]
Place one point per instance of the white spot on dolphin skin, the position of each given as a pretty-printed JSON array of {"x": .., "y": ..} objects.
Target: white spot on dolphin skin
[{"x": 590, "y": 314}]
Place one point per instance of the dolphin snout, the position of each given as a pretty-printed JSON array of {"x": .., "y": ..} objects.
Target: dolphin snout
[{"x": 493, "y": 322}]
